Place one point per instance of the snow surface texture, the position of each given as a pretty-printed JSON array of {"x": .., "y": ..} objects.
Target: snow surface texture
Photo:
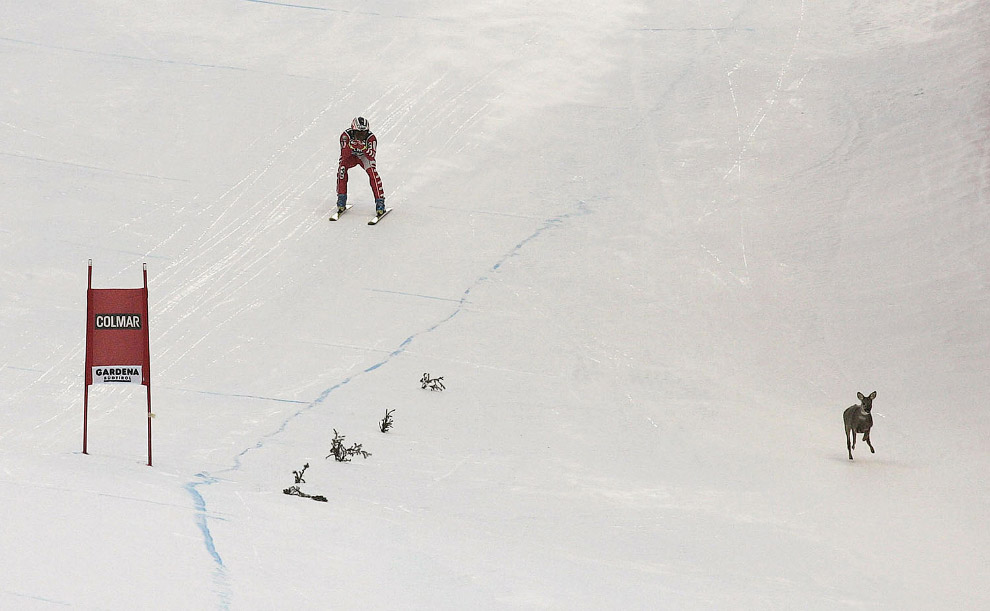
[{"x": 654, "y": 249}]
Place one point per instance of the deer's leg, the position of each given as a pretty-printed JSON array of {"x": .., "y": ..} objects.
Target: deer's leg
[
  {"x": 866, "y": 438},
  {"x": 849, "y": 447}
]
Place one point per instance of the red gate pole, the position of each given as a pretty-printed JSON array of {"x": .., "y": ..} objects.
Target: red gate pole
[
  {"x": 147, "y": 344},
  {"x": 85, "y": 416},
  {"x": 149, "y": 424},
  {"x": 89, "y": 307}
]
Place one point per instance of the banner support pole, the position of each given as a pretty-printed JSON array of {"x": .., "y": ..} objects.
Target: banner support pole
[
  {"x": 147, "y": 373},
  {"x": 89, "y": 291}
]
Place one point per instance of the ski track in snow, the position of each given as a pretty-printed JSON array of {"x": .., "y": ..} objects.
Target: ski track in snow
[
  {"x": 745, "y": 141},
  {"x": 204, "y": 479}
]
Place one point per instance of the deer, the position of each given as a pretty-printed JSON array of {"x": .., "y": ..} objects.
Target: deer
[{"x": 858, "y": 419}]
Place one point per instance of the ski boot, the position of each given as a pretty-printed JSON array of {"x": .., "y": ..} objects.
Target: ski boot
[
  {"x": 341, "y": 202},
  {"x": 380, "y": 206}
]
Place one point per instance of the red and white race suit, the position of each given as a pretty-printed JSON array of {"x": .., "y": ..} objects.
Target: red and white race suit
[{"x": 355, "y": 151}]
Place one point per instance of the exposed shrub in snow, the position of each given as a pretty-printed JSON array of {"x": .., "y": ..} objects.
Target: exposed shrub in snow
[
  {"x": 294, "y": 490},
  {"x": 386, "y": 423},
  {"x": 432, "y": 383},
  {"x": 342, "y": 453}
]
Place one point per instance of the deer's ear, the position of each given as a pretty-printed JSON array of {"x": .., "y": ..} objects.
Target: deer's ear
[
  {"x": 873, "y": 395},
  {"x": 860, "y": 396}
]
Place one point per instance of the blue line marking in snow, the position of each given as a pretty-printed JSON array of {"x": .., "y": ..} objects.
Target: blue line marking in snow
[
  {"x": 414, "y": 295},
  {"x": 309, "y": 7},
  {"x": 237, "y": 396},
  {"x": 128, "y": 57},
  {"x": 220, "y": 571},
  {"x": 94, "y": 169},
  {"x": 50, "y": 601},
  {"x": 13, "y": 368},
  {"x": 205, "y": 479},
  {"x": 200, "y": 504}
]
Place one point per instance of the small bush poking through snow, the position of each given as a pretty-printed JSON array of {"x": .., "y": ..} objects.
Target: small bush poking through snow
[
  {"x": 342, "y": 453},
  {"x": 432, "y": 383},
  {"x": 294, "y": 490},
  {"x": 386, "y": 423}
]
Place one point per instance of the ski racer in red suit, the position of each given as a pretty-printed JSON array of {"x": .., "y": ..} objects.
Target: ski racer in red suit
[{"x": 358, "y": 146}]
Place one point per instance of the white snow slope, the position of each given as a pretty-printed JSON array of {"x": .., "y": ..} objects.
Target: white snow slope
[{"x": 654, "y": 249}]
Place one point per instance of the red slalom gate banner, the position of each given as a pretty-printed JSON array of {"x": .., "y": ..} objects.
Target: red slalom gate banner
[{"x": 118, "y": 348}]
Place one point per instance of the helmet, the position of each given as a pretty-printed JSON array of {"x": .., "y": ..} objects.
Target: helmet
[{"x": 360, "y": 124}]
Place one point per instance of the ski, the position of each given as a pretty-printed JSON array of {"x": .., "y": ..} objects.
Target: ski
[
  {"x": 336, "y": 213},
  {"x": 377, "y": 218}
]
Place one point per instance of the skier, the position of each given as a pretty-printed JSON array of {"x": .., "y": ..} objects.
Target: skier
[{"x": 358, "y": 147}]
